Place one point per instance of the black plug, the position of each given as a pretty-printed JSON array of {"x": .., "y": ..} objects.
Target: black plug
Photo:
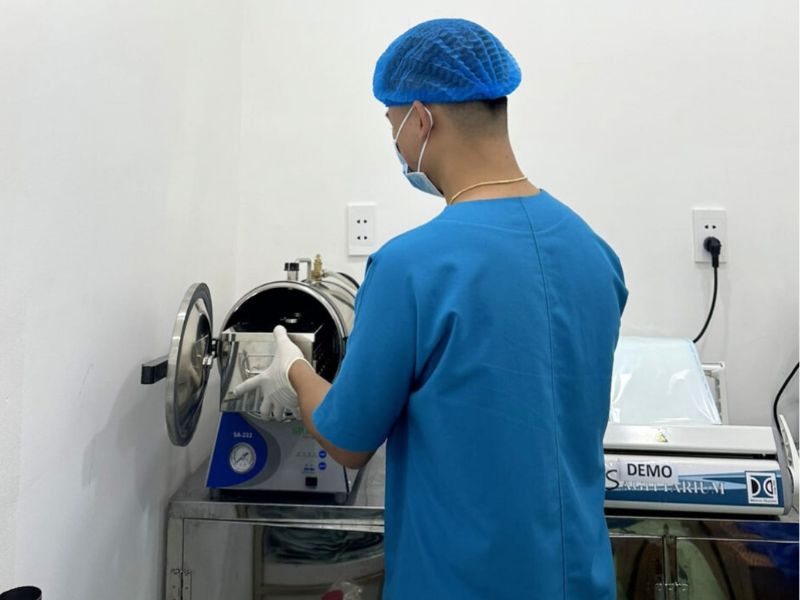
[{"x": 713, "y": 246}]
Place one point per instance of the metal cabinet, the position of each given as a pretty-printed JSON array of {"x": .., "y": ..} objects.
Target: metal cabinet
[
  {"x": 224, "y": 559},
  {"x": 685, "y": 558},
  {"x": 244, "y": 550},
  {"x": 237, "y": 549}
]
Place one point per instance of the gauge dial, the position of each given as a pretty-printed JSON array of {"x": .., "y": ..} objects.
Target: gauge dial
[{"x": 242, "y": 458}]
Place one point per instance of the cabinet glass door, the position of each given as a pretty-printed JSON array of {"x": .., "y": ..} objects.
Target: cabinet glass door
[
  {"x": 244, "y": 561},
  {"x": 639, "y": 562},
  {"x": 738, "y": 570}
]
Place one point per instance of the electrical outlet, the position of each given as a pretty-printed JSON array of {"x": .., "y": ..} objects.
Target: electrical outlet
[
  {"x": 360, "y": 229},
  {"x": 710, "y": 222}
]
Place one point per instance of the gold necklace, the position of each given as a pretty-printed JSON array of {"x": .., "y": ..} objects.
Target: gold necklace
[{"x": 482, "y": 183}]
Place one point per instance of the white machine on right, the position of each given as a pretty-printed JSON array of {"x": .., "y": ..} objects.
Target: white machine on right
[{"x": 668, "y": 446}]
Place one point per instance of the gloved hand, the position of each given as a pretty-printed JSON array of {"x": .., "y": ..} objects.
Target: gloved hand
[{"x": 277, "y": 394}]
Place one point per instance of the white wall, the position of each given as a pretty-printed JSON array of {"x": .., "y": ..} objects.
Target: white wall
[
  {"x": 119, "y": 142},
  {"x": 632, "y": 112}
]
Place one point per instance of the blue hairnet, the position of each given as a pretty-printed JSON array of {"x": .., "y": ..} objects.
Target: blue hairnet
[{"x": 442, "y": 61}]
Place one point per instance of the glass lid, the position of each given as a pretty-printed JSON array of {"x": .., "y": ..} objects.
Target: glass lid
[{"x": 191, "y": 354}]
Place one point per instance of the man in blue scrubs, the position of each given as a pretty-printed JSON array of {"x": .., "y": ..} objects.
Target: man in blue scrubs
[{"x": 481, "y": 351}]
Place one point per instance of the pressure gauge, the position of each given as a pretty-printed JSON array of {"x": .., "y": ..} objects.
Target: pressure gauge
[{"x": 242, "y": 458}]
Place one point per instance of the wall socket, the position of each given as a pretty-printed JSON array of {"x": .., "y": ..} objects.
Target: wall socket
[
  {"x": 361, "y": 229},
  {"x": 710, "y": 222}
]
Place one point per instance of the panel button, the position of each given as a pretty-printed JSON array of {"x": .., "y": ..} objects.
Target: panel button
[
  {"x": 322, "y": 454},
  {"x": 323, "y": 465},
  {"x": 311, "y": 482}
]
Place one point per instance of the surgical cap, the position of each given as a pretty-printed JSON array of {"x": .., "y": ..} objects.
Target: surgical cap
[{"x": 443, "y": 61}]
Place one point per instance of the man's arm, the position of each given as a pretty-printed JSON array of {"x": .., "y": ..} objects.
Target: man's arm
[{"x": 311, "y": 390}]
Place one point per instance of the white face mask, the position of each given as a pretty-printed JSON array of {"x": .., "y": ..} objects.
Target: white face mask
[{"x": 417, "y": 178}]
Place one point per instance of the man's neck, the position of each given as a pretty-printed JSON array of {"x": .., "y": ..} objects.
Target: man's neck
[{"x": 467, "y": 164}]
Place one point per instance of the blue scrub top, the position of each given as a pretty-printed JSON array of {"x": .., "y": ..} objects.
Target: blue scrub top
[{"x": 482, "y": 350}]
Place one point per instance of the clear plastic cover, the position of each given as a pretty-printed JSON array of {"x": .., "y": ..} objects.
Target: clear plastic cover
[{"x": 660, "y": 381}]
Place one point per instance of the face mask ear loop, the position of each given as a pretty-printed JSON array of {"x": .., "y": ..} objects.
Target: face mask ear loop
[
  {"x": 403, "y": 122},
  {"x": 425, "y": 143}
]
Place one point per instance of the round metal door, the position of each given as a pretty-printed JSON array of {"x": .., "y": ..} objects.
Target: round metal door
[{"x": 191, "y": 354}]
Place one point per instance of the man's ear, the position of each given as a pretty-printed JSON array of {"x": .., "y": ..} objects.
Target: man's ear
[{"x": 424, "y": 120}]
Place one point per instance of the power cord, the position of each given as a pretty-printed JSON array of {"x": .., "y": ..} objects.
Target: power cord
[
  {"x": 713, "y": 246},
  {"x": 778, "y": 397}
]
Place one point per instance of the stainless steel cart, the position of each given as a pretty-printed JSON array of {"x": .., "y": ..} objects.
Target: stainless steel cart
[{"x": 243, "y": 550}]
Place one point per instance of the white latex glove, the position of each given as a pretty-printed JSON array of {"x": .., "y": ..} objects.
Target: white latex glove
[{"x": 277, "y": 394}]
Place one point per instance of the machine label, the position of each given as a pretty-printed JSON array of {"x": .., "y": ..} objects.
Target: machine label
[
  {"x": 641, "y": 482},
  {"x": 762, "y": 488},
  {"x": 648, "y": 472}
]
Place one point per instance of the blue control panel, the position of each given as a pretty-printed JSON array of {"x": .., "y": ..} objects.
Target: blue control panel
[
  {"x": 251, "y": 454},
  {"x": 240, "y": 452}
]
